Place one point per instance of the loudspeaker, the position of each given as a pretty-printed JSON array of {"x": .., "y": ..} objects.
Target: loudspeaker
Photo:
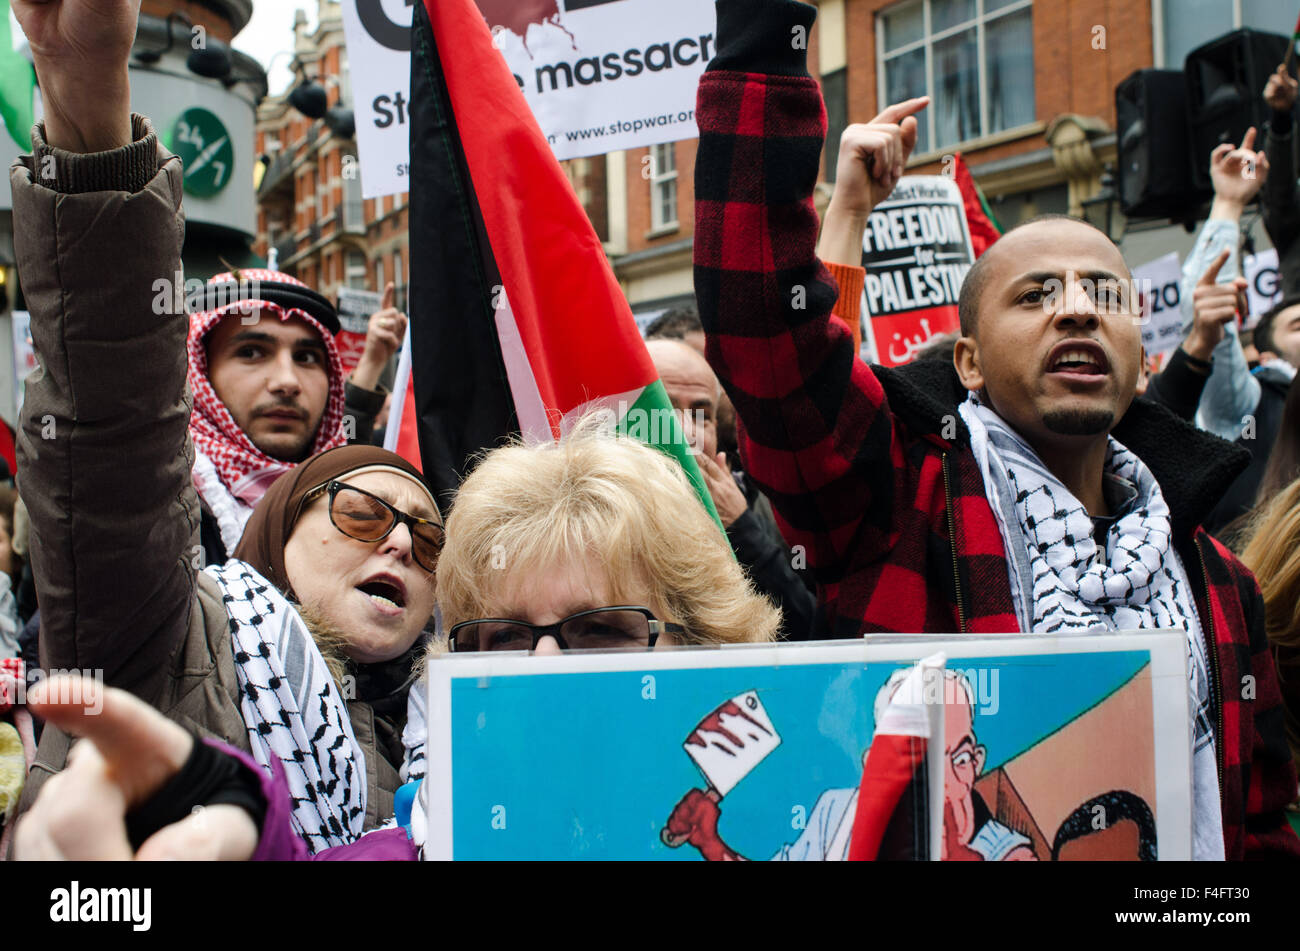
[
  {"x": 1225, "y": 92},
  {"x": 1153, "y": 175}
]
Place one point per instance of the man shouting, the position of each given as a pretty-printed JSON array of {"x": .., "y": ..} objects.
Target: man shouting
[{"x": 1021, "y": 487}]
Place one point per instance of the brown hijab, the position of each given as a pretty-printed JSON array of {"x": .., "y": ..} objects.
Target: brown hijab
[{"x": 272, "y": 521}]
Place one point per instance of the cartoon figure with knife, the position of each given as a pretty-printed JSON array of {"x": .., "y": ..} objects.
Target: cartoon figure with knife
[{"x": 732, "y": 740}]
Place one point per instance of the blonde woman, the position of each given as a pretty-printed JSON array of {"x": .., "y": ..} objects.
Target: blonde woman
[{"x": 542, "y": 533}]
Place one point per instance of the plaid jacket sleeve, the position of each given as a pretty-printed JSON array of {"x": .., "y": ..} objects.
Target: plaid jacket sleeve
[
  {"x": 1259, "y": 778},
  {"x": 817, "y": 434},
  {"x": 1271, "y": 781}
]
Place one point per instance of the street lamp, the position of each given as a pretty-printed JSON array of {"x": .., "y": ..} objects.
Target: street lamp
[
  {"x": 311, "y": 99},
  {"x": 211, "y": 59},
  {"x": 1099, "y": 210}
]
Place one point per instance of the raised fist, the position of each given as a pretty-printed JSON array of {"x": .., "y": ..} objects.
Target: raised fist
[
  {"x": 1280, "y": 91},
  {"x": 81, "y": 49}
]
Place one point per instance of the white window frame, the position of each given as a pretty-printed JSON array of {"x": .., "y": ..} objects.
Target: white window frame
[
  {"x": 658, "y": 180},
  {"x": 353, "y": 211},
  {"x": 1158, "y": 31},
  {"x": 399, "y": 280},
  {"x": 354, "y": 269},
  {"x": 926, "y": 42},
  {"x": 380, "y": 284}
]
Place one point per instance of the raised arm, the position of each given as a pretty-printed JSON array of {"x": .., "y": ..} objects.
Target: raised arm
[
  {"x": 104, "y": 460},
  {"x": 817, "y": 434},
  {"x": 1230, "y": 392},
  {"x": 1279, "y": 197}
]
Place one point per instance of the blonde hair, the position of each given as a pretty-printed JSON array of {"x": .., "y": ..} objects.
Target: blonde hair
[
  {"x": 1273, "y": 554},
  {"x": 594, "y": 493}
]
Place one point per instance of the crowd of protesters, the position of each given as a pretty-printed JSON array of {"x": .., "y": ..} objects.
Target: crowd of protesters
[{"x": 263, "y": 589}]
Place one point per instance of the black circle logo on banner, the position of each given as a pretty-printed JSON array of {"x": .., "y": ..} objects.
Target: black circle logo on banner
[{"x": 382, "y": 30}]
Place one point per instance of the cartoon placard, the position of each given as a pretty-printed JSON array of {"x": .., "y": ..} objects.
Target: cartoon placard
[{"x": 1051, "y": 748}]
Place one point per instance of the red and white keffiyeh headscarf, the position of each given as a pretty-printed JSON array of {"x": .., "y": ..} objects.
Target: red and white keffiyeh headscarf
[{"x": 242, "y": 469}]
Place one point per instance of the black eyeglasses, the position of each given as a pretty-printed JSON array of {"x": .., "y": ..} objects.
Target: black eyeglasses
[
  {"x": 597, "y": 629},
  {"x": 368, "y": 518}
]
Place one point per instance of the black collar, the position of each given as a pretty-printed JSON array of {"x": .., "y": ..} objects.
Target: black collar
[{"x": 1194, "y": 467}]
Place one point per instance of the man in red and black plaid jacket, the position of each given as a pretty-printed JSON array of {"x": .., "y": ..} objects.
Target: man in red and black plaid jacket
[{"x": 871, "y": 470}]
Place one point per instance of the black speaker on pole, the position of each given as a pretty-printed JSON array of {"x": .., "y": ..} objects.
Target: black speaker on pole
[
  {"x": 1153, "y": 174},
  {"x": 1225, "y": 92}
]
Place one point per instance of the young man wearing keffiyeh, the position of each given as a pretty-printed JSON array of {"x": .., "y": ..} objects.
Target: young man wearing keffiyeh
[
  {"x": 269, "y": 390},
  {"x": 1022, "y": 487}
]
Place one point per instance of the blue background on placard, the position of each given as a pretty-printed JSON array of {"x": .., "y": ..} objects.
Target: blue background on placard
[{"x": 586, "y": 768}]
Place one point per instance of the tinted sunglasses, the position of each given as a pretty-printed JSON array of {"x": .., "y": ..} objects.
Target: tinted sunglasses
[{"x": 366, "y": 517}]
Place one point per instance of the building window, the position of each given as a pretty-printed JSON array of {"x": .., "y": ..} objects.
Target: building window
[
  {"x": 399, "y": 282},
  {"x": 379, "y": 275},
  {"x": 663, "y": 187},
  {"x": 355, "y": 274},
  {"x": 974, "y": 58},
  {"x": 354, "y": 218},
  {"x": 835, "y": 94},
  {"x": 1183, "y": 25}
]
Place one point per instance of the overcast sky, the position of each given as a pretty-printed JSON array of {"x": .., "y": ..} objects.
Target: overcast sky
[{"x": 269, "y": 32}]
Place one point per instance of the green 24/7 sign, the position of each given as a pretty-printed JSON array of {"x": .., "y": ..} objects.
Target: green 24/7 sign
[{"x": 204, "y": 147}]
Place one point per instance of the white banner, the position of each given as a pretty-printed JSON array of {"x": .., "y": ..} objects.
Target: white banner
[
  {"x": 603, "y": 75},
  {"x": 378, "y": 36},
  {"x": 1160, "y": 281},
  {"x": 599, "y": 75},
  {"x": 1263, "y": 286}
]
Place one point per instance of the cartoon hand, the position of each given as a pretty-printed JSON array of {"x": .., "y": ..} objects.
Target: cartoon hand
[
  {"x": 695, "y": 820},
  {"x": 953, "y": 849}
]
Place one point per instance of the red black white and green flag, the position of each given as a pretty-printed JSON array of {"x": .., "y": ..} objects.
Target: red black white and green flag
[{"x": 518, "y": 324}]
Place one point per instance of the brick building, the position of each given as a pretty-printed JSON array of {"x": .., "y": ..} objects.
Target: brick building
[
  {"x": 1023, "y": 89},
  {"x": 310, "y": 209}
]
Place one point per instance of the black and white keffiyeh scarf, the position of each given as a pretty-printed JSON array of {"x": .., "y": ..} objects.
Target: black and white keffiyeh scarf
[
  {"x": 1061, "y": 578},
  {"x": 292, "y": 708},
  {"x": 1062, "y": 581}
]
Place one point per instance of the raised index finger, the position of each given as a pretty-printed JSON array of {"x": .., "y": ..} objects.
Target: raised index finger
[
  {"x": 1211, "y": 275},
  {"x": 390, "y": 292},
  {"x": 899, "y": 111},
  {"x": 1248, "y": 142}
]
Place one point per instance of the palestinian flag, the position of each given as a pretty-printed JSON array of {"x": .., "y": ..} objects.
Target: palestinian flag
[
  {"x": 17, "y": 88},
  {"x": 517, "y": 321},
  {"x": 984, "y": 228}
]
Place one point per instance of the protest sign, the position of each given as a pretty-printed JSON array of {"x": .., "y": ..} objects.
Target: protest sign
[
  {"x": 1159, "y": 283},
  {"x": 1263, "y": 286},
  {"x": 378, "y": 37},
  {"x": 606, "y": 755},
  {"x": 355, "y": 308},
  {"x": 599, "y": 75},
  {"x": 916, "y": 251}
]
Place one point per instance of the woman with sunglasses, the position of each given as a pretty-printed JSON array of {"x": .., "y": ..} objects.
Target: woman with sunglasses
[
  {"x": 594, "y": 542},
  {"x": 310, "y": 633}
]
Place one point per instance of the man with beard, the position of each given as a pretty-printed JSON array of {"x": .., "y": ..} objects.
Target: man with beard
[
  {"x": 1021, "y": 487},
  {"x": 269, "y": 390}
]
